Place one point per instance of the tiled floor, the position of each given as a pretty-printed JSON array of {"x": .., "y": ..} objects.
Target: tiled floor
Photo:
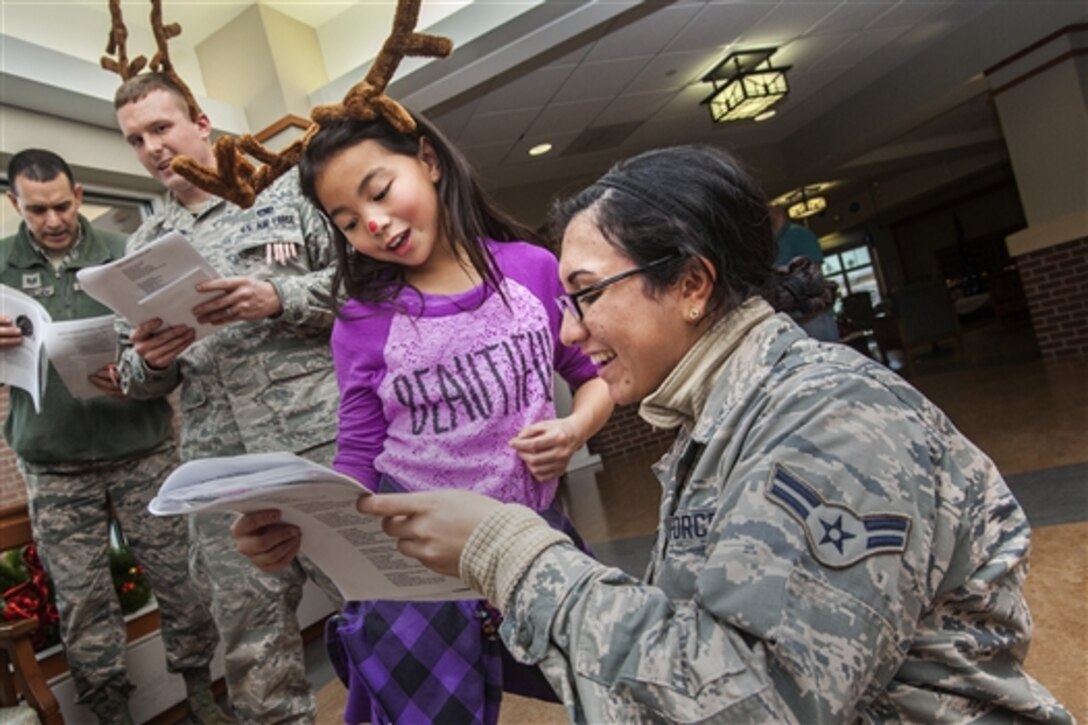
[{"x": 1030, "y": 417}]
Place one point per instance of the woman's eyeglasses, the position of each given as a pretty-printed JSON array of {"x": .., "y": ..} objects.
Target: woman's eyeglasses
[{"x": 570, "y": 302}]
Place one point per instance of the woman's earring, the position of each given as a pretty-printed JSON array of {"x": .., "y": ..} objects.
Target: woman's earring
[{"x": 693, "y": 314}]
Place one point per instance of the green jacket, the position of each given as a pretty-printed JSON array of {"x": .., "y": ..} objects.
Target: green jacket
[{"x": 69, "y": 430}]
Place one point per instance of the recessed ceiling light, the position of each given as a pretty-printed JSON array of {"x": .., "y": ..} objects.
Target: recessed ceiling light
[
  {"x": 540, "y": 149},
  {"x": 765, "y": 115}
]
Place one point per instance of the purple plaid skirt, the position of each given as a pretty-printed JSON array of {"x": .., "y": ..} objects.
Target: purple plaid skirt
[{"x": 411, "y": 662}]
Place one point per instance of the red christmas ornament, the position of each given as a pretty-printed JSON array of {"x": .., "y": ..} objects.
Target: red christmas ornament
[{"x": 30, "y": 600}]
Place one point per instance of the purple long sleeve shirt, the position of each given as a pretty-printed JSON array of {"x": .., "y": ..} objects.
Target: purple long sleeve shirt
[{"x": 433, "y": 388}]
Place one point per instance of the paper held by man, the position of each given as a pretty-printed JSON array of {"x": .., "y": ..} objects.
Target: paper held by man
[
  {"x": 348, "y": 546},
  {"x": 157, "y": 281},
  {"x": 77, "y": 348}
]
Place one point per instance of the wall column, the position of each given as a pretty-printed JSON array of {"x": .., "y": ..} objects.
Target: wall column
[
  {"x": 1041, "y": 95},
  {"x": 238, "y": 62}
]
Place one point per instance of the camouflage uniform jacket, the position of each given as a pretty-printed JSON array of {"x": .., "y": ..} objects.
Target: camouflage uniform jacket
[
  {"x": 830, "y": 550},
  {"x": 70, "y": 432},
  {"x": 269, "y": 384}
]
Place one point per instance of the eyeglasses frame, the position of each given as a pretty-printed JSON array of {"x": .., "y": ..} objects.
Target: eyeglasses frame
[{"x": 569, "y": 302}]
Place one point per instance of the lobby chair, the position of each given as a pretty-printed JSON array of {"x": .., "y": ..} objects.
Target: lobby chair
[
  {"x": 926, "y": 317},
  {"x": 870, "y": 325}
]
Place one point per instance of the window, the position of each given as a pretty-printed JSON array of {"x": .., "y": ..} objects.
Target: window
[{"x": 854, "y": 271}]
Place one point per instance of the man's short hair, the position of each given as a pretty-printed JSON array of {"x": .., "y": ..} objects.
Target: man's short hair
[
  {"x": 38, "y": 165},
  {"x": 138, "y": 86}
]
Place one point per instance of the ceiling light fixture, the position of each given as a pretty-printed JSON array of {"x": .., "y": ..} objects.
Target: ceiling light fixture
[
  {"x": 540, "y": 149},
  {"x": 803, "y": 205},
  {"x": 745, "y": 85},
  {"x": 766, "y": 115}
]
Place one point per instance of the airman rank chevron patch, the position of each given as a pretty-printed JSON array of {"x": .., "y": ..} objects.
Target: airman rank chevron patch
[{"x": 837, "y": 536}]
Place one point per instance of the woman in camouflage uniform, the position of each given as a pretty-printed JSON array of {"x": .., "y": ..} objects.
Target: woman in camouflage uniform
[{"x": 830, "y": 549}]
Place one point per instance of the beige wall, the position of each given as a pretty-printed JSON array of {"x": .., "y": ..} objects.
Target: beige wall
[
  {"x": 101, "y": 154},
  {"x": 1045, "y": 120}
]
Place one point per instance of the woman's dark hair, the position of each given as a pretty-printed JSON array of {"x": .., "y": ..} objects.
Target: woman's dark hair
[
  {"x": 467, "y": 215},
  {"x": 687, "y": 201}
]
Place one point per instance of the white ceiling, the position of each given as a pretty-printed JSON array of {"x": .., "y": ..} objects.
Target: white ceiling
[{"x": 875, "y": 85}]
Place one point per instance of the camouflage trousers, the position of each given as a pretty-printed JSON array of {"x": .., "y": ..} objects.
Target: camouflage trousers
[
  {"x": 70, "y": 511},
  {"x": 256, "y": 613}
]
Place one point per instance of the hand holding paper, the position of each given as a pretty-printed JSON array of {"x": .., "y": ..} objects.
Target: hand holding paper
[
  {"x": 30, "y": 339},
  {"x": 10, "y": 334},
  {"x": 264, "y": 539},
  {"x": 160, "y": 345},
  {"x": 349, "y": 547},
  {"x": 243, "y": 298},
  {"x": 156, "y": 282},
  {"x": 106, "y": 380}
]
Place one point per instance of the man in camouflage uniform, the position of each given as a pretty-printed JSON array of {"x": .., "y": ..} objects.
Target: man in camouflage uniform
[
  {"x": 83, "y": 459},
  {"x": 262, "y": 382}
]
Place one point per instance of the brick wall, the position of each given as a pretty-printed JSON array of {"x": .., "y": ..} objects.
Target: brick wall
[
  {"x": 1055, "y": 283},
  {"x": 625, "y": 433},
  {"x": 12, "y": 488}
]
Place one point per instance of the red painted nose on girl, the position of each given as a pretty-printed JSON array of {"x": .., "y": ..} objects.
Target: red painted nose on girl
[{"x": 372, "y": 226}]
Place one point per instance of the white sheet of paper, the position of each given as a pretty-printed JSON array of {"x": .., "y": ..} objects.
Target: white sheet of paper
[
  {"x": 349, "y": 547},
  {"x": 25, "y": 366},
  {"x": 156, "y": 281},
  {"x": 80, "y": 348}
]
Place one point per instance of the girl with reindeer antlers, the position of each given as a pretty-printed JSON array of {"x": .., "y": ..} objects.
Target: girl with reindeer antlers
[{"x": 444, "y": 348}]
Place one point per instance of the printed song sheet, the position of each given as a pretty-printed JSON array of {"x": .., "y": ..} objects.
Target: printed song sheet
[
  {"x": 77, "y": 348},
  {"x": 157, "y": 281},
  {"x": 349, "y": 547},
  {"x": 25, "y": 366}
]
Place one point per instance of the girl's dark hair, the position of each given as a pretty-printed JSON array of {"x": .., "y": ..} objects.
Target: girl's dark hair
[
  {"x": 687, "y": 201},
  {"x": 468, "y": 216}
]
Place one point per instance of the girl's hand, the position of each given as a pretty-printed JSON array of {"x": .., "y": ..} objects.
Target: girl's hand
[
  {"x": 432, "y": 526},
  {"x": 266, "y": 541},
  {"x": 547, "y": 447}
]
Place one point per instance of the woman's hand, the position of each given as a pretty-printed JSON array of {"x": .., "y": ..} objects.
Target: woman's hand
[
  {"x": 266, "y": 541},
  {"x": 432, "y": 526}
]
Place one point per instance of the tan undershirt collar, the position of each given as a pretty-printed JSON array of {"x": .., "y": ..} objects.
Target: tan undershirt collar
[{"x": 681, "y": 397}]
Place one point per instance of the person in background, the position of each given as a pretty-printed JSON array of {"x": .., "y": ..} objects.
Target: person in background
[
  {"x": 445, "y": 351},
  {"x": 262, "y": 382},
  {"x": 793, "y": 240},
  {"x": 830, "y": 548},
  {"x": 84, "y": 460}
]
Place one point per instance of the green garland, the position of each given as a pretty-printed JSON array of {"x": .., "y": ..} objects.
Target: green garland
[
  {"x": 12, "y": 569},
  {"x": 129, "y": 582}
]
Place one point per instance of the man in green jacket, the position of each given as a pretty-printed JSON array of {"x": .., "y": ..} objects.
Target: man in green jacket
[{"x": 85, "y": 459}]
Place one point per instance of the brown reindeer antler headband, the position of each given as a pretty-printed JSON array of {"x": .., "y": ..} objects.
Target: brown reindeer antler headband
[
  {"x": 236, "y": 179},
  {"x": 160, "y": 62}
]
